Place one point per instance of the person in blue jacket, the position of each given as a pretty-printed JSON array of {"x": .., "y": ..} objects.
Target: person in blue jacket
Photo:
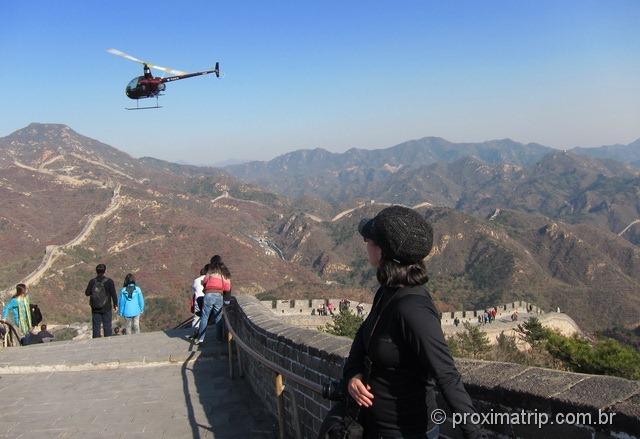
[
  {"x": 131, "y": 304},
  {"x": 18, "y": 309}
]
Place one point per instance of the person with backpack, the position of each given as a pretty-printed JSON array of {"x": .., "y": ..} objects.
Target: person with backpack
[
  {"x": 131, "y": 304},
  {"x": 399, "y": 353},
  {"x": 215, "y": 283},
  {"x": 102, "y": 299},
  {"x": 36, "y": 314},
  {"x": 20, "y": 311}
]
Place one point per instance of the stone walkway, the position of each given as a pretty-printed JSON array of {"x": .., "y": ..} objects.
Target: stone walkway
[{"x": 154, "y": 385}]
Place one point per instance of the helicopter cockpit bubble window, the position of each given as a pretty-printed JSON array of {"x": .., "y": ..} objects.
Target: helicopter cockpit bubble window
[{"x": 133, "y": 84}]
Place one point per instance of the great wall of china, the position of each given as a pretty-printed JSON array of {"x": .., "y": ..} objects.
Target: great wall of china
[
  {"x": 303, "y": 313},
  {"x": 159, "y": 384}
]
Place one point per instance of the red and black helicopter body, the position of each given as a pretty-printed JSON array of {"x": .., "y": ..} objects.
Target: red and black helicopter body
[{"x": 148, "y": 86}]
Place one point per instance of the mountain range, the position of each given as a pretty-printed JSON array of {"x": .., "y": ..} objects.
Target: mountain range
[
  {"x": 474, "y": 177},
  {"x": 512, "y": 221}
]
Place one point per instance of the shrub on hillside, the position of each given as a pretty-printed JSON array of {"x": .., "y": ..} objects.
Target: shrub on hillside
[
  {"x": 604, "y": 357},
  {"x": 472, "y": 342},
  {"x": 532, "y": 332},
  {"x": 345, "y": 324}
]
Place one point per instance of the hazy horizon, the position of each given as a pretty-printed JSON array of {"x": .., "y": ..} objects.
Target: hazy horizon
[{"x": 232, "y": 161}]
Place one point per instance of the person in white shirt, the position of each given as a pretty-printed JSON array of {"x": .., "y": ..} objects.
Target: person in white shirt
[{"x": 198, "y": 297}]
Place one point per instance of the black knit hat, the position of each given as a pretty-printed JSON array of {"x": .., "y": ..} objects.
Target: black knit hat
[{"x": 404, "y": 235}]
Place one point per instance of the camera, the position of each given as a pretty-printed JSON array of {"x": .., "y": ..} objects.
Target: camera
[{"x": 334, "y": 390}]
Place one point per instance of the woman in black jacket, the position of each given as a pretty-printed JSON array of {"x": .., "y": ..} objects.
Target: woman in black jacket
[{"x": 399, "y": 354}]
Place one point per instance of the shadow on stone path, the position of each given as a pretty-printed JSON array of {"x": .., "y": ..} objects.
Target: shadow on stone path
[{"x": 154, "y": 385}]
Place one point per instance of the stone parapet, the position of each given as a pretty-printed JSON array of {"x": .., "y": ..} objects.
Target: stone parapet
[{"x": 497, "y": 389}]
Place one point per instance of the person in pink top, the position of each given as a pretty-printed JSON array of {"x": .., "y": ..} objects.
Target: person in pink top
[
  {"x": 216, "y": 282},
  {"x": 330, "y": 308}
]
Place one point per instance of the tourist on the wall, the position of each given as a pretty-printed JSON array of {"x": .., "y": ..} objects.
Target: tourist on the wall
[
  {"x": 399, "y": 353},
  {"x": 102, "y": 299},
  {"x": 44, "y": 336},
  {"x": 131, "y": 304},
  {"x": 215, "y": 283},
  {"x": 20, "y": 312},
  {"x": 197, "y": 290}
]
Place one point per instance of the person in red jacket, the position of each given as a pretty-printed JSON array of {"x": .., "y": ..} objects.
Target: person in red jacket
[{"x": 216, "y": 282}]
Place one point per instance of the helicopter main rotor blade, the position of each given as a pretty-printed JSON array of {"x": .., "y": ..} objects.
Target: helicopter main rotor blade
[
  {"x": 153, "y": 66},
  {"x": 125, "y": 55},
  {"x": 167, "y": 70}
]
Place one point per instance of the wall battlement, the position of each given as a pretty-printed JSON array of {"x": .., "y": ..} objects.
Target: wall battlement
[
  {"x": 495, "y": 387},
  {"x": 288, "y": 307}
]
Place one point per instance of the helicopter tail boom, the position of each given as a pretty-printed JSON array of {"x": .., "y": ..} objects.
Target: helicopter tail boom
[{"x": 216, "y": 71}]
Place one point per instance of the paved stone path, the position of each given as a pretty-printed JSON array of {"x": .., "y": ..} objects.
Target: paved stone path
[{"x": 154, "y": 385}]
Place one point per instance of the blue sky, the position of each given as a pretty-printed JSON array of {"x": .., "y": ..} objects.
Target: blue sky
[{"x": 303, "y": 74}]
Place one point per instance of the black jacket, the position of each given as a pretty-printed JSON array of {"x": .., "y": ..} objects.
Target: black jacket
[
  {"x": 112, "y": 298},
  {"x": 409, "y": 357}
]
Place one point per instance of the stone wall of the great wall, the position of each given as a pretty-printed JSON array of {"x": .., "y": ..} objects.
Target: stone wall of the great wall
[
  {"x": 494, "y": 387},
  {"x": 304, "y": 307}
]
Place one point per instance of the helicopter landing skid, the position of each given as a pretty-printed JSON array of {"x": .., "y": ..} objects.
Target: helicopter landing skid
[{"x": 144, "y": 108}]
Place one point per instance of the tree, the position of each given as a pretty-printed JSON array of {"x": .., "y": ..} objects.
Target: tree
[
  {"x": 345, "y": 324},
  {"x": 507, "y": 350},
  {"x": 471, "y": 342},
  {"x": 605, "y": 357},
  {"x": 611, "y": 357},
  {"x": 532, "y": 332}
]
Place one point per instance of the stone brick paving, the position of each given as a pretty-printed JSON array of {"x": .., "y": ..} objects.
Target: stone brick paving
[{"x": 154, "y": 385}]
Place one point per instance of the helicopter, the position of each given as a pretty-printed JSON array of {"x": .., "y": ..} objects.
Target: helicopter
[{"x": 148, "y": 86}]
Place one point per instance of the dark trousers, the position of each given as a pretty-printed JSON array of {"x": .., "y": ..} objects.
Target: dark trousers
[{"x": 101, "y": 319}]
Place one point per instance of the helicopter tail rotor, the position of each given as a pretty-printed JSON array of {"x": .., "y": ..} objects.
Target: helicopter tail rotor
[{"x": 216, "y": 70}]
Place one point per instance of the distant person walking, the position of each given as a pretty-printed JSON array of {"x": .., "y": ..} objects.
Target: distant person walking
[
  {"x": 198, "y": 300},
  {"x": 330, "y": 308},
  {"x": 102, "y": 299},
  {"x": 215, "y": 283},
  {"x": 131, "y": 304},
  {"x": 19, "y": 310}
]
